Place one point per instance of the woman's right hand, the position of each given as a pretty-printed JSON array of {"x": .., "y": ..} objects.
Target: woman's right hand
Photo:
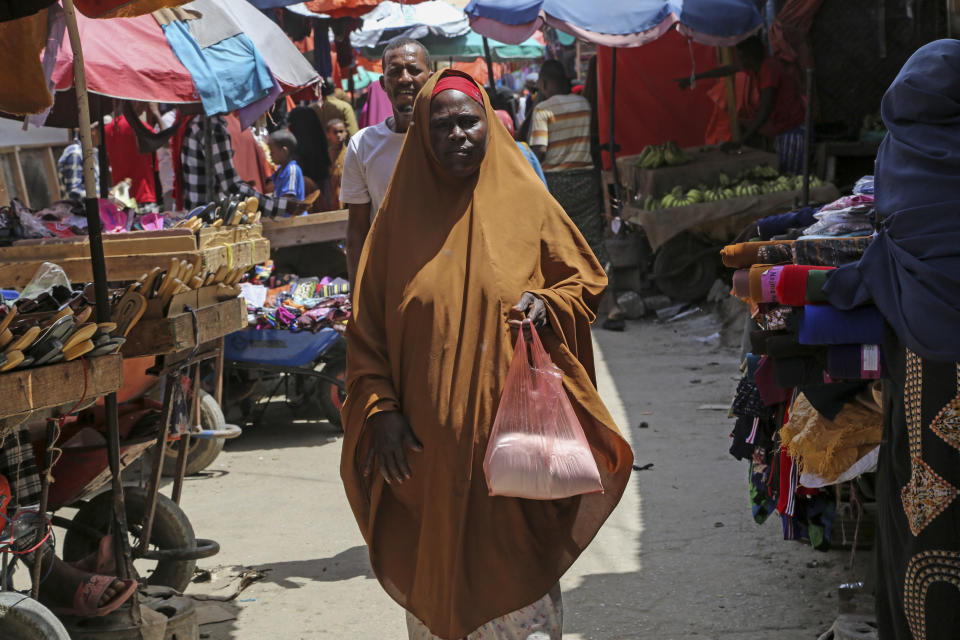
[{"x": 390, "y": 435}]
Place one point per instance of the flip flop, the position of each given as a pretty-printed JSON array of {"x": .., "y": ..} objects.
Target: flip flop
[
  {"x": 25, "y": 363},
  {"x": 53, "y": 348},
  {"x": 77, "y": 350},
  {"x": 112, "y": 346},
  {"x": 128, "y": 311},
  {"x": 101, "y": 561},
  {"x": 6, "y": 337},
  {"x": 24, "y": 340},
  {"x": 87, "y": 597},
  {"x": 8, "y": 318},
  {"x": 81, "y": 334},
  {"x": 13, "y": 359}
]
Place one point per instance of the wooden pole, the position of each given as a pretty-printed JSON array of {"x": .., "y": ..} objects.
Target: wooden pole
[
  {"x": 807, "y": 132},
  {"x": 726, "y": 58},
  {"x": 121, "y": 549}
]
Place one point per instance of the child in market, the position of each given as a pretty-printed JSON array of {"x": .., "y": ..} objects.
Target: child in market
[{"x": 288, "y": 178}]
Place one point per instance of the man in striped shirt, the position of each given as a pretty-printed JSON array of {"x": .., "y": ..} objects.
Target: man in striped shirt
[{"x": 560, "y": 138}]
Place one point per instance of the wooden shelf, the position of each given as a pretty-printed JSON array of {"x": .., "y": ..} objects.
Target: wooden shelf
[
  {"x": 163, "y": 336},
  {"x": 59, "y": 384},
  {"x": 130, "y": 255},
  {"x": 309, "y": 229}
]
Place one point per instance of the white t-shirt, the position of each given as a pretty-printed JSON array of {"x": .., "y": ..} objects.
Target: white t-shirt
[{"x": 368, "y": 166}]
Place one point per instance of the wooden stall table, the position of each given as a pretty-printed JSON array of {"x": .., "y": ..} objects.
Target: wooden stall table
[
  {"x": 130, "y": 255},
  {"x": 707, "y": 164},
  {"x": 686, "y": 240},
  {"x": 309, "y": 229}
]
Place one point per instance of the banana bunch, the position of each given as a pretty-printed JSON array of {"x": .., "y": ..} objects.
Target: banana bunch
[
  {"x": 724, "y": 180},
  {"x": 651, "y": 204},
  {"x": 782, "y": 183},
  {"x": 747, "y": 189},
  {"x": 765, "y": 172},
  {"x": 668, "y": 154},
  {"x": 714, "y": 195}
]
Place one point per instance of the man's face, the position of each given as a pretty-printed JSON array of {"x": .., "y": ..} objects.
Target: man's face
[
  {"x": 337, "y": 134},
  {"x": 404, "y": 73}
]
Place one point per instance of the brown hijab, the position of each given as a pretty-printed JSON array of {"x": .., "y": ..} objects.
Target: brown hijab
[{"x": 444, "y": 263}]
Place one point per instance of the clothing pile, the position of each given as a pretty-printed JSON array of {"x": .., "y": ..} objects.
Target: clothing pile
[
  {"x": 807, "y": 415},
  {"x": 302, "y": 304},
  {"x": 66, "y": 219}
]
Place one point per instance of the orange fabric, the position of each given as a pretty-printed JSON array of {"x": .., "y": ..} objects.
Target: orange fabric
[
  {"x": 443, "y": 264},
  {"x": 23, "y": 87},
  {"x": 123, "y": 8},
  {"x": 744, "y": 254},
  {"x": 718, "y": 129}
]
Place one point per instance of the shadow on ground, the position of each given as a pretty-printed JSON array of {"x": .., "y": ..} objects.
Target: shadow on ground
[{"x": 700, "y": 567}]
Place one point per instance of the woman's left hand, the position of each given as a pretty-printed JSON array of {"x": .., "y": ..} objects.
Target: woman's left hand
[{"x": 534, "y": 308}]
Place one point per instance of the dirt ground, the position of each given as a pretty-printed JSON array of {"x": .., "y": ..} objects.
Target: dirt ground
[{"x": 680, "y": 557}]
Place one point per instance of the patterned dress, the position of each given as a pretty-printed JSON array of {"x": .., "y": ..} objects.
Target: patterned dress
[{"x": 542, "y": 620}]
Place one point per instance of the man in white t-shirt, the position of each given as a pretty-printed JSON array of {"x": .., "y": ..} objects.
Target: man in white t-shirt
[{"x": 373, "y": 152}]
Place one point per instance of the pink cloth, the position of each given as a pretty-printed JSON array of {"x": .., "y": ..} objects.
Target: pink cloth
[
  {"x": 769, "y": 282},
  {"x": 377, "y": 108}
]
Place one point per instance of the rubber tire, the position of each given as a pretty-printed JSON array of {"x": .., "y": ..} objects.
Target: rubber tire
[
  {"x": 26, "y": 619},
  {"x": 695, "y": 281},
  {"x": 203, "y": 451},
  {"x": 171, "y": 530},
  {"x": 326, "y": 390}
]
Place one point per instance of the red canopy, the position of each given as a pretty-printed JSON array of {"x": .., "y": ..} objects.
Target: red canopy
[{"x": 650, "y": 107}]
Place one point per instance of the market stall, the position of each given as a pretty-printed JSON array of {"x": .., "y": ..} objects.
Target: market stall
[
  {"x": 687, "y": 203},
  {"x": 182, "y": 283},
  {"x": 808, "y": 407}
]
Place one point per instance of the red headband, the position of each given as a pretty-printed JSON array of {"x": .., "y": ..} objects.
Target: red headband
[{"x": 461, "y": 84}]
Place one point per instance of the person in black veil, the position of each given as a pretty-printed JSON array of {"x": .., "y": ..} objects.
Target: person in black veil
[{"x": 911, "y": 272}]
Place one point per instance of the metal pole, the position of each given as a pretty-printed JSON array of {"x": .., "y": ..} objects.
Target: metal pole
[
  {"x": 99, "y": 267},
  {"x": 489, "y": 59},
  {"x": 183, "y": 448},
  {"x": 104, "y": 161},
  {"x": 807, "y": 126},
  {"x": 617, "y": 204}
]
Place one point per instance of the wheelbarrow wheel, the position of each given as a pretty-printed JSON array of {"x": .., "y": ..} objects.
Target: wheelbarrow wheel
[
  {"x": 26, "y": 619},
  {"x": 685, "y": 268},
  {"x": 202, "y": 451},
  {"x": 331, "y": 396},
  {"x": 171, "y": 530}
]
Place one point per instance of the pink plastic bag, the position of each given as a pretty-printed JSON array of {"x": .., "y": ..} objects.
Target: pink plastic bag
[{"x": 537, "y": 448}]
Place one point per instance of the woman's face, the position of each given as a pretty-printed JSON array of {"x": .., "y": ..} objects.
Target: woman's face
[{"x": 458, "y": 132}]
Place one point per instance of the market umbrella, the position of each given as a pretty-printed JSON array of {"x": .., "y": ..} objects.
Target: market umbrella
[
  {"x": 132, "y": 58},
  {"x": 621, "y": 23},
  {"x": 469, "y": 47},
  {"x": 390, "y": 20}
]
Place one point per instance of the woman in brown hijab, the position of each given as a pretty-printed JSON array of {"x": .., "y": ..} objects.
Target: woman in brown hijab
[{"x": 467, "y": 240}]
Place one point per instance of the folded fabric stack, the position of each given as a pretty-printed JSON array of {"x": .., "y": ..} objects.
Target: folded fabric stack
[{"x": 801, "y": 418}]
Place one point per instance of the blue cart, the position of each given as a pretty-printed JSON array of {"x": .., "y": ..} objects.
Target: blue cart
[{"x": 311, "y": 367}]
